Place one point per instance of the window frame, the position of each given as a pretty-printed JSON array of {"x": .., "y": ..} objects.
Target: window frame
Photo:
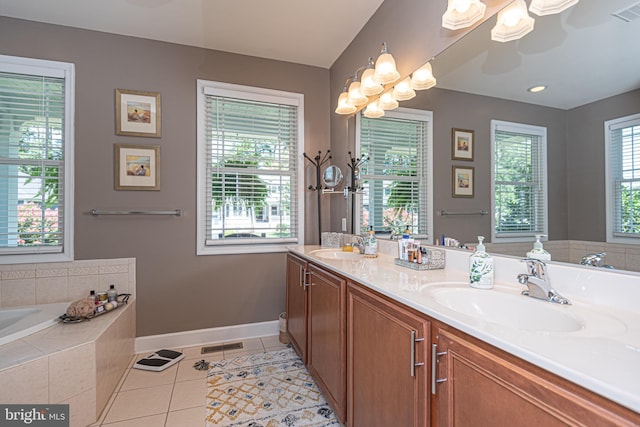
[
  {"x": 522, "y": 128},
  {"x": 427, "y": 147},
  {"x": 609, "y": 126},
  {"x": 245, "y": 245},
  {"x": 65, "y": 70}
]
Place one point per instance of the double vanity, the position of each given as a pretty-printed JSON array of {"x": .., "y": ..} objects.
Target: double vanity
[{"x": 390, "y": 345}]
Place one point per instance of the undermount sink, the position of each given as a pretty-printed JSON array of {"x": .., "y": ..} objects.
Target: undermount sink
[
  {"x": 519, "y": 312},
  {"x": 335, "y": 253}
]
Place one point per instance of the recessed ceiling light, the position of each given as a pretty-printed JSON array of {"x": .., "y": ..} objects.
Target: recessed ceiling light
[{"x": 538, "y": 88}]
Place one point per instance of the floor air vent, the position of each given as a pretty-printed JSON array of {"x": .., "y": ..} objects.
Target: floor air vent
[
  {"x": 630, "y": 13},
  {"x": 221, "y": 347}
]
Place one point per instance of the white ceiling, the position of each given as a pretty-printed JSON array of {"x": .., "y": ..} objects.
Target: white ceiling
[
  {"x": 305, "y": 32},
  {"x": 583, "y": 55}
]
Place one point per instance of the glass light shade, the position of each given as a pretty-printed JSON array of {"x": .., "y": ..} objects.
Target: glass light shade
[
  {"x": 462, "y": 14},
  {"x": 549, "y": 7},
  {"x": 373, "y": 111},
  {"x": 355, "y": 95},
  {"x": 385, "y": 71},
  {"x": 344, "y": 106},
  {"x": 422, "y": 78},
  {"x": 402, "y": 91},
  {"x": 387, "y": 101},
  {"x": 368, "y": 86},
  {"x": 513, "y": 23}
]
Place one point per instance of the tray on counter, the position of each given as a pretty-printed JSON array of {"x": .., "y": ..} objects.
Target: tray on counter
[{"x": 121, "y": 300}]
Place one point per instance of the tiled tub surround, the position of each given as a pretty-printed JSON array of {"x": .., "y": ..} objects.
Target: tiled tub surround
[
  {"x": 29, "y": 284},
  {"x": 80, "y": 363},
  {"x": 605, "y": 363}
]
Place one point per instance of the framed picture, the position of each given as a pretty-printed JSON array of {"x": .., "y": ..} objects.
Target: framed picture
[
  {"x": 138, "y": 113},
  {"x": 462, "y": 181},
  {"x": 461, "y": 144},
  {"x": 137, "y": 167}
]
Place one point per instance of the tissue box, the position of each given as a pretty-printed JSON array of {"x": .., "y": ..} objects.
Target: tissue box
[{"x": 432, "y": 259}]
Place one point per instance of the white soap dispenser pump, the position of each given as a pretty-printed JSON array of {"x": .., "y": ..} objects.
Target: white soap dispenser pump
[
  {"x": 538, "y": 252},
  {"x": 481, "y": 267}
]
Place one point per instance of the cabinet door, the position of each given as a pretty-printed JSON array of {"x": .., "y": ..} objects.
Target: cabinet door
[
  {"x": 327, "y": 347},
  {"x": 296, "y": 305},
  {"x": 387, "y": 362},
  {"x": 485, "y": 387}
]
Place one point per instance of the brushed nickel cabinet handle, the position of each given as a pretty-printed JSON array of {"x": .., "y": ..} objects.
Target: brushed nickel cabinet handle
[
  {"x": 414, "y": 340},
  {"x": 434, "y": 363}
]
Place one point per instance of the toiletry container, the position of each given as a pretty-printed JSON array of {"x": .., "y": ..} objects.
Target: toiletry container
[
  {"x": 112, "y": 295},
  {"x": 371, "y": 245},
  {"x": 538, "y": 252},
  {"x": 402, "y": 246},
  {"x": 481, "y": 267}
]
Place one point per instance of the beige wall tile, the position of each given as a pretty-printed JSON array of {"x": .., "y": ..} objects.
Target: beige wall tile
[
  {"x": 50, "y": 289},
  {"x": 28, "y": 382},
  {"x": 71, "y": 372},
  {"x": 16, "y": 292},
  {"x": 79, "y": 286}
]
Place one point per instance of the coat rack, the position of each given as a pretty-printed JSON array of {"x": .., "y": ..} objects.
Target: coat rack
[
  {"x": 354, "y": 188},
  {"x": 318, "y": 161}
]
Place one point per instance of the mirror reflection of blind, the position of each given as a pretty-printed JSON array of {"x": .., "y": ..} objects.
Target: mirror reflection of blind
[
  {"x": 625, "y": 178},
  {"x": 32, "y": 156},
  {"x": 519, "y": 187},
  {"x": 251, "y": 171},
  {"x": 393, "y": 175}
]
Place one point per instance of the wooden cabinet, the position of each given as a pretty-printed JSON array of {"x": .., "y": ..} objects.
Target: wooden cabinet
[
  {"x": 296, "y": 304},
  {"x": 387, "y": 364},
  {"x": 484, "y": 386},
  {"x": 326, "y": 358}
]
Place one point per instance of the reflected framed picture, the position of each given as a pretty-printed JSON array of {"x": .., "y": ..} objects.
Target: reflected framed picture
[
  {"x": 137, "y": 167},
  {"x": 462, "y": 181},
  {"x": 138, "y": 113},
  {"x": 462, "y": 144}
]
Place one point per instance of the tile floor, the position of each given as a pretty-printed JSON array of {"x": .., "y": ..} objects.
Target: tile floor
[{"x": 175, "y": 397}]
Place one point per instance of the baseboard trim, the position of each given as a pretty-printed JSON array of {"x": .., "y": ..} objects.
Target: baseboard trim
[{"x": 206, "y": 336}]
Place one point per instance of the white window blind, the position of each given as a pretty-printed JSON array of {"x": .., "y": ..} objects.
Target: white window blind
[
  {"x": 36, "y": 117},
  {"x": 519, "y": 180},
  {"x": 624, "y": 172},
  {"x": 250, "y": 169},
  {"x": 396, "y": 177}
]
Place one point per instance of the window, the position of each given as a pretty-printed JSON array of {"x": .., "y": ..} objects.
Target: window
[
  {"x": 249, "y": 158},
  {"x": 36, "y": 160},
  {"x": 519, "y": 184},
  {"x": 622, "y": 152},
  {"x": 396, "y": 178}
]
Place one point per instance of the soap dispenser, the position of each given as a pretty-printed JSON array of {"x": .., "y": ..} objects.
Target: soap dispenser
[
  {"x": 481, "y": 267},
  {"x": 538, "y": 252},
  {"x": 371, "y": 245}
]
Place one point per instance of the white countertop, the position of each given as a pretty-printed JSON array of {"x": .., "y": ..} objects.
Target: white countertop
[{"x": 603, "y": 357}]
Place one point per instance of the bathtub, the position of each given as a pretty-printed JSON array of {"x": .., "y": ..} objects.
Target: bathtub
[{"x": 18, "y": 322}]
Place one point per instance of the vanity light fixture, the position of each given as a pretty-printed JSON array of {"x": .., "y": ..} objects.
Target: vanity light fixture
[
  {"x": 462, "y": 13},
  {"x": 513, "y": 23},
  {"x": 344, "y": 105},
  {"x": 537, "y": 88},
  {"x": 549, "y": 7},
  {"x": 385, "y": 71},
  {"x": 368, "y": 86},
  {"x": 387, "y": 101},
  {"x": 355, "y": 94},
  {"x": 403, "y": 91},
  {"x": 423, "y": 78},
  {"x": 373, "y": 111}
]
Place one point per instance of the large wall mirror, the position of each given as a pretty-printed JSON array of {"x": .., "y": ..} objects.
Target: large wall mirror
[{"x": 590, "y": 62}]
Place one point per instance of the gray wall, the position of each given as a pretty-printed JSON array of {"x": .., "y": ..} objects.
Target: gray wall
[
  {"x": 177, "y": 290},
  {"x": 585, "y": 163}
]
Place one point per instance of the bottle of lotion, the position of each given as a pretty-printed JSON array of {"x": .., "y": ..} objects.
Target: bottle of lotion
[
  {"x": 538, "y": 251},
  {"x": 481, "y": 267}
]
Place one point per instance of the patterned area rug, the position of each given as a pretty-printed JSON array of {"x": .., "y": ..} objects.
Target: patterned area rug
[{"x": 265, "y": 390}]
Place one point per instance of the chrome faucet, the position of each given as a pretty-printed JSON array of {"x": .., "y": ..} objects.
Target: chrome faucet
[
  {"x": 538, "y": 282},
  {"x": 359, "y": 243},
  {"x": 594, "y": 260}
]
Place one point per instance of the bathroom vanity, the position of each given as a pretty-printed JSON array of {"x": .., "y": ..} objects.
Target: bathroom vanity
[{"x": 394, "y": 346}]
